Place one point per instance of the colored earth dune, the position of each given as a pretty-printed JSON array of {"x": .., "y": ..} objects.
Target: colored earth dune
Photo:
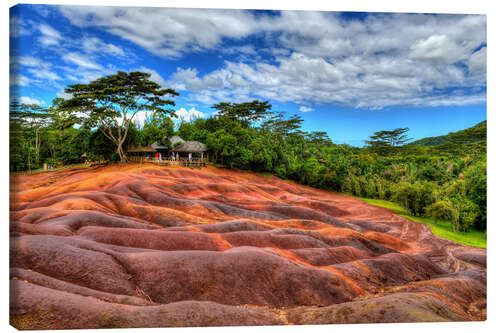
[{"x": 147, "y": 246}]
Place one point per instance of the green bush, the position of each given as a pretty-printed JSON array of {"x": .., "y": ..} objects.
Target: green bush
[
  {"x": 415, "y": 197},
  {"x": 442, "y": 211},
  {"x": 468, "y": 212},
  {"x": 475, "y": 183}
]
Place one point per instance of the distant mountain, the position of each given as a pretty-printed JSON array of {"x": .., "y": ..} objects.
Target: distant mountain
[{"x": 469, "y": 135}]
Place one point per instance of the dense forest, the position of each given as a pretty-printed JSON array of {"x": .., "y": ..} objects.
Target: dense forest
[
  {"x": 443, "y": 178},
  {"x": 469, "y": 135}
]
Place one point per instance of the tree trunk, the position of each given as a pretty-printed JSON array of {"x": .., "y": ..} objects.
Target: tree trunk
[
  {"x": 121, "y": 153},
  {"x": 37, "y": 147}
]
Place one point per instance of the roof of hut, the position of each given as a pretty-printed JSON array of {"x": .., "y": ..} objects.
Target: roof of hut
[
  {"x": 191, "y": 147},
  {"x": 141, "y": 149},
  {"x": 175, "y": 139},
  {"x": 157, "y": 146}
]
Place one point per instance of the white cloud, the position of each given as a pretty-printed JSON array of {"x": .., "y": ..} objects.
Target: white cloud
[
  {"x": 312, "y": 57},
  {"x": 140, "y": 117},
  {"x": 20, "y": 27},
  {"x": 94, "y": 45},
  {"x": 477, "y": 61},
  {"x": 305, "y": 109},
  {"x": 166, "y": 32},
  {"x": 187, "y": 79},
  {"x": 20, "y": 80},
  {"x": 50, "y": 36},
  {"x": 363, "y": 83},
  {"x": 81, "y": 61},
  {"x": 63, "y": 94},
  {"x": 36, "y": 67},
  {"x": 155, "y": 77},
  {"x": 185, "y": 115},
  {"x": 362, "y": 64},
  {"x": 45, "y": 74},
  {"x": 438, "y": 49},
  {"x": 28, "y": 61},
  {"x": 30, "y": 100}
]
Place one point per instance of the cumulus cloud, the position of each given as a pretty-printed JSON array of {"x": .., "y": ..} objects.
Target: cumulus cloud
[
  {"x": 302, "y": 80},
  {"x": 192, "y": 114},
  {"x": 437, "y": 49},
  {"x": 188, "y": 79},
  {"x": 356, "y": 63},
  {"x": 377, "y": 61},
  {"x": 477, "y": 61},
  {"x": 305, "y": 109},
  {"x": 30, "y": 100},
  {"x": 155, "y": 77},
  {"x": 140, "y": 117},
  {"x": 166, "y": 32}
]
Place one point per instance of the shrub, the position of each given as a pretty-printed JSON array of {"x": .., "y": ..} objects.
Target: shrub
[
  {"x": 442, "y": 210},
  {"x": 475, "y": 183},
  {"x": 415, "y": 197},
  {"x": 468, "y": 212}
]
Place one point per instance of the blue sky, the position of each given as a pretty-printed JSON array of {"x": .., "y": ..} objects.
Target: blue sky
[{"x": 349, "y": 74}]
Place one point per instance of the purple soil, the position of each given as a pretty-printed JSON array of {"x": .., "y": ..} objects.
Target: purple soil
[{"x": 144, "y": 246}]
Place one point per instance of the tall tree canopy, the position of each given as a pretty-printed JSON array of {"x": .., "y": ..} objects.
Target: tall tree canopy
[
  {"x": 244, "y": 112},
  {"x": 32, "y": 118},
  {"x": 110, "y": 103},
  {"x": 383, "y": 141}
]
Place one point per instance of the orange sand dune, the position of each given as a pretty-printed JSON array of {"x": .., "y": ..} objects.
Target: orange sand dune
[{"x": 148, "y": 246}]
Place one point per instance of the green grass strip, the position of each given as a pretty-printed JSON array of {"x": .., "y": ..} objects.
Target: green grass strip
[{"x": 439, "y": 228}]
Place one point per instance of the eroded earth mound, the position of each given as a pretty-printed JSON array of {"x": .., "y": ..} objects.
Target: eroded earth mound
[{"x": 148, "y": 246}]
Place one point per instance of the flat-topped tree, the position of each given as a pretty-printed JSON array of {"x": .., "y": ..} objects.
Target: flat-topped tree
[
  {"x": 383, "y": 142},
  {"x": 110, "y": 103},
  {"x": 244, "y": 112},
  {"x": 34, "y": 118}
]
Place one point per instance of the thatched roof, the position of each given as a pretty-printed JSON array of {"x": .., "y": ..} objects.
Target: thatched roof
[
  {"x": 158, "y": 146},
  {"x": 175, "y": 139},
  {"x": 191, "y": 147},
  {"x": 141, "y": 149}
]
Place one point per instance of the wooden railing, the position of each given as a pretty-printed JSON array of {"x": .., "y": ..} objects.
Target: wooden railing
[{"x": 182, "y": 161}]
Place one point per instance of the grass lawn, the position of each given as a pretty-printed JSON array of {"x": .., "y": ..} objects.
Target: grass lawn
[{"x": 440, "y": 228}]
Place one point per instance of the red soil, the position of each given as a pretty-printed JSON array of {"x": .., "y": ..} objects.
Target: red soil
[{"x": 144, "y": 246}]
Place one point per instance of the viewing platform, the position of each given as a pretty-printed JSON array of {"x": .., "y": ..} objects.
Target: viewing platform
[{"x": 182, "y": 162}]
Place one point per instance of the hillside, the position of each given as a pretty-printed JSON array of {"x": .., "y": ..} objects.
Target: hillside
[
  {"x": 469, "y": 135},
  {"x": 149, "y": 246}
]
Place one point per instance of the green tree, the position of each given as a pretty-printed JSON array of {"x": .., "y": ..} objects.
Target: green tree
[
  {"x": 32, "y": 120},
  {"x": 384, "y": 142},
  {"x": 442, "y": 210},
  {"x": 244, "y": 112},
  {"x": 112, "y": 102},
  {"x": 158, "y": 127},
  {"x": 415, "y": 197},
  {"x": 475, "y": 184},
  {"x": 468, "y": 212}
]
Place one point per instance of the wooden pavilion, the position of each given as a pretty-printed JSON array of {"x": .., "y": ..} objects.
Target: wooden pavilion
[
  {"x": 198, "y": 150},
  {"x": 180, "y": 148}
]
